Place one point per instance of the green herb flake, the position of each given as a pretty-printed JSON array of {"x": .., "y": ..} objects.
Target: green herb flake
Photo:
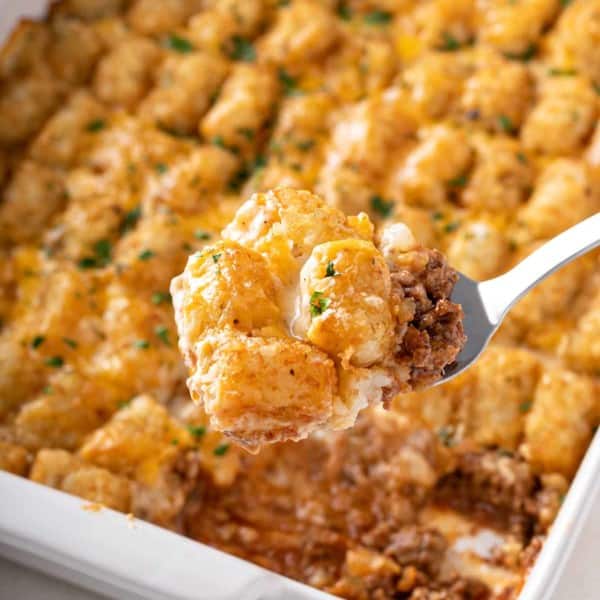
[
  {"x": 131, "y": 219},
  {"x": 197, "y": 431},
  {"x": 382, "y": 207},
  {"x": 318, "y": 304},
  {"x": 218, "y": 141},
  {"x": 449, "y": 43},
  {"x": 525, "y": 407},
  {"x": 47, "y": 390},
  {"x": 305, "y": 145},
  {"x": 95, "y": 125},
  {"x": 123, "y": 404},
  {"x": 102, "y": 256},
  {"x": 565, "y": 2},
  {"x": 87, "y": 262},
  {"x": 242, "y": 49},
  {"x": 145, "y": 254},
  {"x": 161, "y": 168},
  {"x": 178, "y": 44},
  {"x": 160, "y": 297},
  {"x": 344, "y": 12},
  {"x": 37, "y": 341},
  {"x": 459, "y": 181},
  {"x": 175, "y": 442},
  {"x": 289, "y": 83},
  {"x": 437, "y": 216},
  {"x": 522, "y": 158},
  {"x": 103, "y": 251},
  {"x": 378, "y": 17},
  {"x": 70, "y": 342},
  {"x": 596, "y": 88},
  {"x": 221, "y": 450},
  {"x": 505, "y": 124},
  {"x": 446, "y": 436},
  {"x": 330, "y": 271},
  {"x": 142, "y": 344},
  {"x": 216, "y": 257},
  {"x": 247, "y": 133},
  {"x": 451, "y": 227},
  {"x": 201, "y": 235},
  {"x": 54, "y": 361},
  {"x": 524, "y": 56},
  {"x": 562, "y": 72},
  {"x": 162, "y": 333}
]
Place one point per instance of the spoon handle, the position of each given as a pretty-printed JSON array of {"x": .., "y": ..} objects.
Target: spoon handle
[{"x": 500, "y": 293}]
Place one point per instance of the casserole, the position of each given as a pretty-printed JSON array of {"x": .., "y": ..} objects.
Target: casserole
[{"x": 91, "y": 464}]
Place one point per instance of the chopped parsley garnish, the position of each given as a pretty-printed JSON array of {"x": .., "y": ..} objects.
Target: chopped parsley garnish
[
  {"x": 344, "y": 12},
  {"x": 525, "y": 406},
  {"x": 259, "y": 162},
  {"x": 131, "y": 219},
  {"x": 330, "y": 271},
  {"x": 54, "y": 361},
  {"x": 216, "y": 257},
  {"x": 87, "y": 262},
  {"x": 142, "y": 344},
  {"x": 318, "y": 304},
  {"x": 161, "y": 168},
  {"x": 596, "y": 88},
  {"x": 146, "y": 254},
  {"x": 160, "y": 297},
  {"x": 446, "y": 436},
  {"x": 218, "y": 141},
  {"x": 221, "y": 450},
  {"x": 163, "y": 333},
  {"x": 103, "y": 250},
  {"x": 123, "y": 404},
  {"x": 178, "y": 44},
  {"x": 201, "y": 235},
  {"x": 102, "y": 256},
  {"x": 305, "y": 145},
  {"x": 505, "y": 124},
  {"x": 37, "y": 341},
  {"x": 437, "y": 216},
  {"x": 242, "y": 49},
  {"x": 47, "y": 389},
  {"x": 70, "y": 342},
  {"x": 382, "y": 207},
  {"x": 449, "y": 43},
  {"x": 247, "y": 133},
  {"x": 452, "y": 226},
  {"x": 562, "y": 72},
  {"x": 565, "y": 2},
  {"x": 197, "y": 430},
  {"x": 289, "y": 83},
  {"x": 378, "y": 17},
  {"x": 95, "y": 125},
  {"x": 525, "y": 56},
  {"x": 522, "y": 158},
  {"x": 174, "y": 442},
  {"x": 459, "y": 181}
]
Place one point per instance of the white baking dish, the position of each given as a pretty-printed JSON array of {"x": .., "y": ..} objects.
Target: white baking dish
[{"x": 106, "y": 552}]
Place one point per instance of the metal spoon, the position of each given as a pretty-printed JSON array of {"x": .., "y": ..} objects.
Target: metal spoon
[{"x": 486, "y": 303}]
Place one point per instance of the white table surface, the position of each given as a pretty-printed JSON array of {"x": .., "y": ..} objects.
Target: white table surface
[{"x": 581, "y": 581}]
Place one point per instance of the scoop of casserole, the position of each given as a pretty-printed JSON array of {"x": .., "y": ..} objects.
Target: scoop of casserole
[{"x": 300, "y": 316}]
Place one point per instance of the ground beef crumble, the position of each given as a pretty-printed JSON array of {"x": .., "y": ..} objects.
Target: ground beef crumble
[{"x": 434, "y": 335}]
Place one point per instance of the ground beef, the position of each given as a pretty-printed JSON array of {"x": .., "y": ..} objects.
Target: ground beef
[
  {"x": 434, "y": 336},
  {"x": 494, "y": 486},
  {"x": 419, "y": 546}
]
